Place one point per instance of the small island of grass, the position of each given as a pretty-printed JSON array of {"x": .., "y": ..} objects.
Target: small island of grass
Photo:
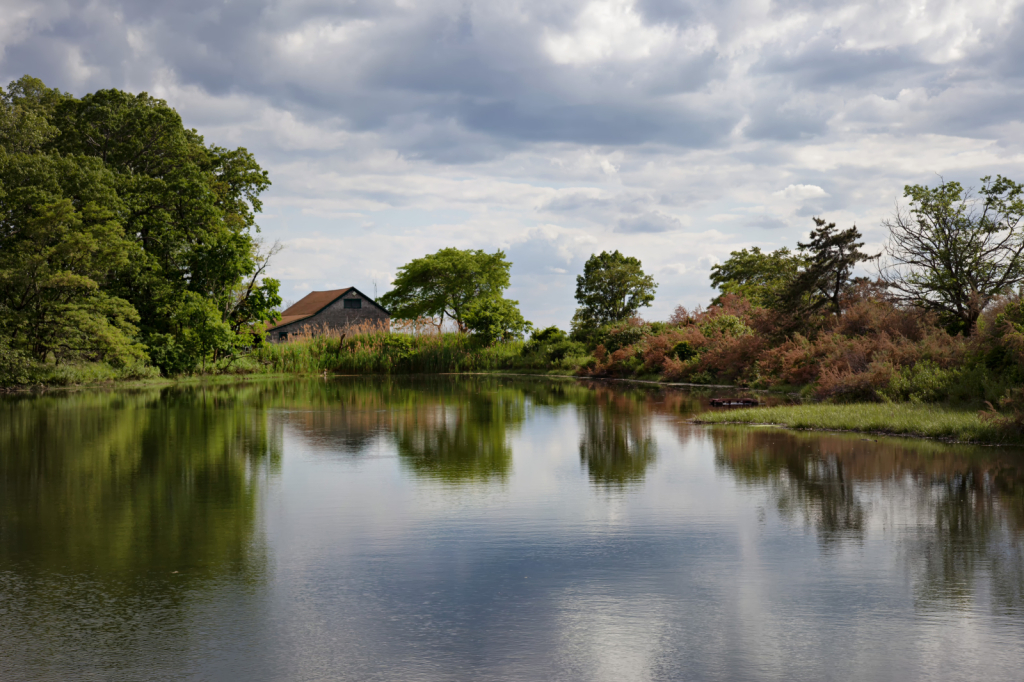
[{"x": 903, "y": 419}]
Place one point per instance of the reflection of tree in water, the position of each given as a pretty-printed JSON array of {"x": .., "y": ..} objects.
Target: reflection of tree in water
[
  {"x": 817, "y": 487},
  {"x": 960, "y": 508},
  {"x": 453, "y": 429},
  {"x": 461, "y": 436},
  {"x": 104, "y": 495},
  {"x": 616, "y": 445}
]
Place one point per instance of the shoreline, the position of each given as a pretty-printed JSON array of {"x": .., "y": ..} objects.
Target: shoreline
[{"x": 904, "y": 420}]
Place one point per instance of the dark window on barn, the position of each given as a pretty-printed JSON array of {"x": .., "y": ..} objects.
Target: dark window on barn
[
  {"x": 284, "y": 335},
  {"x": 353, "y": 303}
]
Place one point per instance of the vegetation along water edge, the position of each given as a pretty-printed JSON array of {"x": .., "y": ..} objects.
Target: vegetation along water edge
[{"x": 130, "y": 252}]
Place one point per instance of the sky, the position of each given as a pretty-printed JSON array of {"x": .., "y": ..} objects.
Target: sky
[{"x": 674, "y": 131}]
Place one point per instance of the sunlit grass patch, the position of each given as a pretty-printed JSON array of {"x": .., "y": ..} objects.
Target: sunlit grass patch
[{"x": 912, "y": 419}]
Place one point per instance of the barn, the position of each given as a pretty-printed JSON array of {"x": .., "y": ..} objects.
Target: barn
[{"x": 333, "y": 310}]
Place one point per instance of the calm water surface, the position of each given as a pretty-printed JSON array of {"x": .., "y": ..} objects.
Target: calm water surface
[{"x": 491, "y": 529}]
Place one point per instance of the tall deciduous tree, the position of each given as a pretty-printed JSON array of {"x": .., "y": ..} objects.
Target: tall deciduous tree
[
  {"x": 443, "y": 284},
  {"x": 761, "y": 278},
  {"x": 613, "y": 287},
  {"x": 830, "y": 257},
  {"x": 181, "y": 218},
  {"x": 59, "y": 242},
  {"x": 190, "y": 207},
  {"x": 952, "y": 251}
]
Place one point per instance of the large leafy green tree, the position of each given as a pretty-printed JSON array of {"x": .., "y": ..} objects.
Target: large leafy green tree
[
  {"x": 189, "y": 206},
  {"x": 613, "y": 287},
  {"x": 761, "y": 278},
  {"x": 952, "y": 251},
  {"x": 59, "y": 242},
  {"x": 173, "y": 233},
  {"x": 444, "y": 284}
]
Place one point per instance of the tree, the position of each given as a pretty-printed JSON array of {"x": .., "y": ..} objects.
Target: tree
[
  {"x": 24, "y": 110},
  {"x": 494, "y": 319},
  {"x": 190, "y": 209},
  {"x": 761, "y": 278},
  {"x": 117, "y": 222},
  {"x": 830, "y": 257},
  {"x": 951, "y": 251},
  {"x": 59, "y": 242},
  {"x": 612, "y": 288},
  {"x": 445, "y": 283}
]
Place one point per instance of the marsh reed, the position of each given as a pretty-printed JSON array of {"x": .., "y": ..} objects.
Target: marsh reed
[{"x": 370, "y": 348}]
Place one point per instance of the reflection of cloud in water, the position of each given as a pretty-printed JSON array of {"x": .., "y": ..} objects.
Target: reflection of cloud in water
[
  {"x": 957, "y": 510},
  {"x": 609, "y": 636}
]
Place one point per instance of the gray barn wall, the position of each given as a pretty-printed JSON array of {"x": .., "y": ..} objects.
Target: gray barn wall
[{"x": 337, "y": 317}]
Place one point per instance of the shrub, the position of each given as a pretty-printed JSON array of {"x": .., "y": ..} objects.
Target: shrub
[
  {"x": 621, "y": 334},
  {"x": 684, "y": 351}
]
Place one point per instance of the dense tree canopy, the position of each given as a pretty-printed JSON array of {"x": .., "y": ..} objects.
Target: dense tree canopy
[
  {"x": 120, "y": 227},
  {"x": 445, "y": 283},
  {"x": 613, "y": 287},
  {"x": 494, "y": 319}
]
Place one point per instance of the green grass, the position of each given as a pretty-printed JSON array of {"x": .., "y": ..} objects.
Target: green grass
[
  {"x": 910, "y": 419},
  {"x": 384, "y": 353}
]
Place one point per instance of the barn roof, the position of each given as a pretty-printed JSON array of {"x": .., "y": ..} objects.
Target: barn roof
[{"x": 314, "y": 302}]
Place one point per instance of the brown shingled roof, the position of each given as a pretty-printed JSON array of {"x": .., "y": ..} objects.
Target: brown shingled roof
[{"x": 310, "y": 305}]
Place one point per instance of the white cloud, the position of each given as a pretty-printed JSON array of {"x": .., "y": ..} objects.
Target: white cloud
[{"x": 800, "y": 192}]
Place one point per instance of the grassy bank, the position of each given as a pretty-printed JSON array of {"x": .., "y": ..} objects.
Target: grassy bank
[{"x": 908, "y": 419}]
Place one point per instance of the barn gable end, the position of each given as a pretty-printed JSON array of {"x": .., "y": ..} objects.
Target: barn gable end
[{"x": 333, "y": 310}]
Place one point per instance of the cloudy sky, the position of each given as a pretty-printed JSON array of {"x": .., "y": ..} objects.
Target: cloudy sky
[{"x": 673, "y": 130}]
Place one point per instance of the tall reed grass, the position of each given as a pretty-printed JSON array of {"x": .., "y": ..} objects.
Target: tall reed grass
[{"x": 373, "y": 349}]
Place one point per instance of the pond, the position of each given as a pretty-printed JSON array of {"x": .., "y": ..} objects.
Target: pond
[{"x": 482, "y": 528}]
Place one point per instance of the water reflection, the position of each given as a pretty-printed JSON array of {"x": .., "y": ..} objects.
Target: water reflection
[
  {"x": 463, "y": 437},
  {"x": 296, "y": 530},
  {"x": 616, "y": 445},
  {"x": 119, "y": 510},
  {"x": 959, "y": 509},
  {"x": 457, "y": 430}
]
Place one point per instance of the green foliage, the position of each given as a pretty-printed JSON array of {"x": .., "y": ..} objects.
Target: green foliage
[
  {"x": 197, "y": 334},
  {"x": 24, "y": 115},
  {"x": 761, "y": 278},
  {"x": 446, "y": 283},
  {"x": 621, "y": 334},
  {"x": 952, "y": 252},
  {"x": 59, "y": 242},
  {"x": 119, "y": 225},
  {"x": 552, "y": 345},
  {"x": 612, "y": 288},
  {"x": 684, "y": 351},
  {"x": 728, "y": 325},
  {"x": 492, "y": 319},
  {"x": 918, "y": 420},
  {"x": 829, "y": 259}
]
